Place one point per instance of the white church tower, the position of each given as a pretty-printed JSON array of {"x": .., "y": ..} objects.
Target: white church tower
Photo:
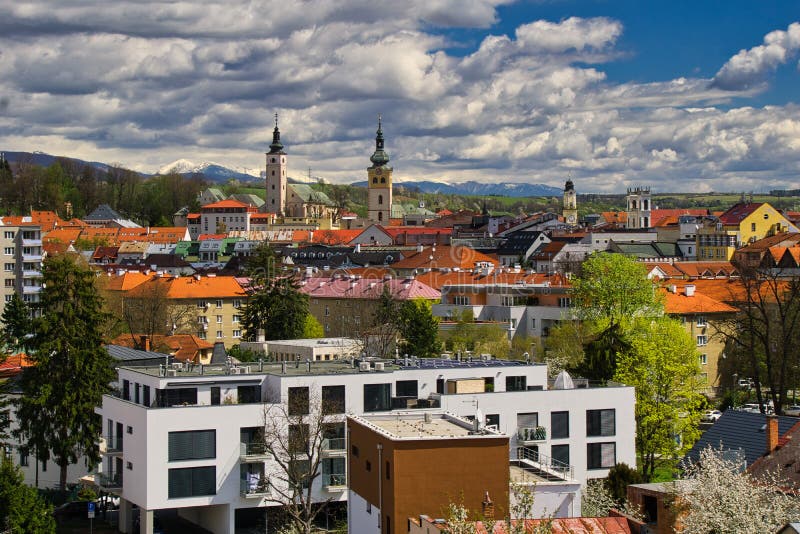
[{"x": 276, "y": 175}]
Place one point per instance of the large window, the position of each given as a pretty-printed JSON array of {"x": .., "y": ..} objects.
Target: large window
[
  {"x": 192, "y": 482},
  {"x": 298, "y": 438},
  {"x": 600, "y": 423},
  {"x": 298, "y": 401},
  {"x": 516, "y": 383},
  {"x": 248, "y": 394},
  {"x": 377, "y": 397},
  {"x": 333, "y": 399},
  {"x": 192, "y": 445},
  {"x": 405, "y": 388},
  {"x": 560, "y": 455},
  {"x": 176, "y": 397},
  {"x": 601, "y": 455},
  {"x": 559, "y": 425},
  {"x": 528, "y": 420}
]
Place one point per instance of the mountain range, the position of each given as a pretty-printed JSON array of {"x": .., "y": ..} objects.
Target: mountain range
[{"x": 217, "y": 173}]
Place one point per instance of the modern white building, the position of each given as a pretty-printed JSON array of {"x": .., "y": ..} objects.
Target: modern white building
[{"x": 189, "y": 439}]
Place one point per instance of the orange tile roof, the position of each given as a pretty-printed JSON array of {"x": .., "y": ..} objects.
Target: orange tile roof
[
  {"x": 62, "y": 235},
  {"x": 54, "y": 248},
  {"x": 190, "y": 287},
  {"x": 203, "y": 237},
  {"x": 153, "y": 234},
  {"x": 13, "y": 364},
  {"x": 229, "y": 203},
  {"x": 618, "y": 217},
  {"x": 679, "y": 304},
  {"x": 127, "y": 280},
  {"x": 700, "y": 269},
  {"x": 563, "y": 525},
  {"x": 669, "y": 269},
  {"x": 193, "y": 216},
  {"x": 444, "y": 256},
  {"x": 184, "y": 347},
  {"x": 439, "y": 279},
  {"x": 657, "y": 215}
]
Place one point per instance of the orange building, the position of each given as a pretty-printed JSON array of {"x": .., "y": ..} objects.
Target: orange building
[{"x": 401, "y": 466}]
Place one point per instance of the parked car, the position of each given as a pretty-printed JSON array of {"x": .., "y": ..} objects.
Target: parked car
[
  {"x": 793, "y": 410},
  {"x": 752, "y": 408},
  {"x": 746, "y": 383},
  {"x": 711, "y": 415}
]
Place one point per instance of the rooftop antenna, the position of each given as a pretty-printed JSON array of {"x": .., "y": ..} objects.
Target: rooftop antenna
[{"x": 309, "y": 174}]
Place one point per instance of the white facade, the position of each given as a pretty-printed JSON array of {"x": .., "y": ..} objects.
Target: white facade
[{"x": 411, "y": 384}]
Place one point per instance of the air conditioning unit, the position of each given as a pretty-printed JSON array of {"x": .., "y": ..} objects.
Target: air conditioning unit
[
  {"x": 172, "y": 372},
  {"x": 177, "y": 366},
  {"x": 363, "y": 366},
  {"x": 379, "y": 366}
]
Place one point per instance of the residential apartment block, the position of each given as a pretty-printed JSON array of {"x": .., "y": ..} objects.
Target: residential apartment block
[
  {"x": 22, "y": 262},
  {"x": 188, "y": 438}
]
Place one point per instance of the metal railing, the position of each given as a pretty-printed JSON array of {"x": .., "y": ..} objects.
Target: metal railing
[
  {"x": 113, "y": 444},
  {"x": 532, "y": 433},
  {"x": 545, "y": 463},
  {"x": 334, "y": 479}
]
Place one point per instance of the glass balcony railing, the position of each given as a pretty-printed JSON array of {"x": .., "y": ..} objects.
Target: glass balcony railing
[
  {"x": 334, "y": 444},
  {"x": 113, "y": 444},
  {"x": 254, "y": 487},
  {"x": 108, "y": 481},
  {"x": 255, "y": 448},
  {"x": 334, "y": 480}
]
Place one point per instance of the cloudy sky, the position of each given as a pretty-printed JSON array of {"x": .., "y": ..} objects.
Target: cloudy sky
[{"x": 609, "y": 92}]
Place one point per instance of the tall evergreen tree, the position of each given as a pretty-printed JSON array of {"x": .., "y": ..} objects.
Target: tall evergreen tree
[
  {"x": 16, "y": 321},
  {"x": 71, "y": 370}
]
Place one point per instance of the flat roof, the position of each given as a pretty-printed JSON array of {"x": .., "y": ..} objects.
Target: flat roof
[
  {"x": 427, "y": 425},
  {"x": 318, "y": 342}
]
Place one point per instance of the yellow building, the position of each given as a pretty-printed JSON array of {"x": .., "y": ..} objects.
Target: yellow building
[
  {"x": 743, "y": 223},
  {"x": 701, "y": 316}
]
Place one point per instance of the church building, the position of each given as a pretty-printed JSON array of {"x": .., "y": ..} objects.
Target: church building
[
  {"x": 570, "y": 211},
  {"x": 379, "y": 179}
]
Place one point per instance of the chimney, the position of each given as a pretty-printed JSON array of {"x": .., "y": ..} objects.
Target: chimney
[
  {"x": 488, "y": 507},
  {"x": 689, "y": 288},
  {"x": 772, "y": 433},
  {"x": 144, "y": 342}
]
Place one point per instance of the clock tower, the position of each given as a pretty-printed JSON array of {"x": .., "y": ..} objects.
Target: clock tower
[
  {"x": 379, "y": 182},
  {"x": 276, "y": 175},
  {"x": 570, "y": 211}
]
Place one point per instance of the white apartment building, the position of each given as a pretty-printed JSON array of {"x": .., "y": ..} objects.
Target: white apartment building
[
  {"x": 186, "y": 439},
  {"x": 22, "y": 263}
]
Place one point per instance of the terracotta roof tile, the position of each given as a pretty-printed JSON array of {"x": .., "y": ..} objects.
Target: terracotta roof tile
[
  {"x": 230, "y": 203},
  {"x": 739, "y": 212},
  {"x": 444, "y": 256},
  {"x": 366, "y": 288},
  {"x": 679, "y": 304},
  {"x": 190, "y": 287}
]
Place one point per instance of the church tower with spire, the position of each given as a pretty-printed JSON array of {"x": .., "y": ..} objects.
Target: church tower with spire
[
  {"x": 570, "y": 210},
  {"x": 379, "y": 180},
  {"x": 276, "y": 175}
]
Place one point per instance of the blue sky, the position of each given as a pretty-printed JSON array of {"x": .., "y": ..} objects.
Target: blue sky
[{"x": 681, "y": 96}]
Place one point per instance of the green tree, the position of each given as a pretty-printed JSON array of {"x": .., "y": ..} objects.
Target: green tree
[
  {"x": 71, "y": 370},
  {"x": 21, "y": 507},
  {"x": 619, "y": 478},
  {"x": 611, "y": 292},
  {"x": 16, "y": 323},
  {"x": 312, "y": 328},
  {"x": 419, "y": 329},
  {"x": 663, "y": 367}
]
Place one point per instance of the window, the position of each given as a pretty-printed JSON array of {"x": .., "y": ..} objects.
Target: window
[
  {"x": 405, "y": 388},
  {"x": 388, "y": 471},
  {"x": 219, "y": 319},
  {"x": 219, "y": 334},
  {"x": 192, "y": 445},
  {"x": 332, "y": 399},
  {"x": 564, "y": 302},
  {"x": 248, "y": 394},
  {"x": 461, "y": 300},
  {"x": 129, "y": 466},
  {"x": 298, "y": 401},
  {"x": 237, "y": 333},
  {"x": 380, "y": 202},
  {"x": 354, "y": 450},
  {"x": 8, "y": 251},
  {"x": 9, "y": 282},
  {"x": 493, "y": 419},
  {"x": 601, "y": 455},
  {"x": 219, "y": 303},
  {"x": 327, "y": 311},
  {"x": 192, "y": 482},
  {"x": 215, "y": 396},
  {"x": 703, "y": 359},
  {"x": 600, "y": 423},
  {"x": 516, "y": 383},
  {"x": 23, "y": 457},
  {"x": 377, "y": 397},
  {"x": 201, "y": 304},
  {"x": 560, "y": 454},
  {"x": 126, "y": 390},
  {"x": 236, "y": 319},
  {"x": 701, "y": 320},
  {"x": 298, "y": 438},
  {"x": 9, "y": 298},
  {"x": 702, "y": 341},
  {"x": 752, "y": 227},
  {"x": 237, "y": 303},
  {"x": 136, "y": 393},
  {"x": 8, "y": 235},
  {"x": 559, "y": 425},
  {"x": 176, "y": 397},
  {"x": 8, "y": 267},
  {"x": 368, "y": 466},
  {"x": 129, "y": 429},
  {"x": 146, "y": 395},
  {"x": 528, "y": 420}
]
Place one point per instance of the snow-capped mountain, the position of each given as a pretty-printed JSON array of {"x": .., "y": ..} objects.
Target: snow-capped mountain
[
  {"x": 480, "y": 188},
  {"x": 212, "y": 171}
]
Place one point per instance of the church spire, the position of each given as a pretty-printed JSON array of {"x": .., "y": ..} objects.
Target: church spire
[
  {"x": 276, "y": 147},
  {"x": 379, "y": 157}
]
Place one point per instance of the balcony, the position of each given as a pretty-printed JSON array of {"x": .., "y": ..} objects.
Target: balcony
[
  {"x": 541, "y": 465},
  {"x": 334, "y": 446},
  {"x": 253, "y": 451},
  {"x": 531, "y": 434},
  {"x": 31, "y": 242},
  {"x": 35, "y": 256},
  {"x": 108, "y": 482},
  {"x": 334, "y": 481},
  {"x": 254, "y": 487},
  {"x": 413, "y": 403},
  {"x": 111, "y": 445},
  {"x": 31, "y": 290},
  {"x": 31, "y": 273}
]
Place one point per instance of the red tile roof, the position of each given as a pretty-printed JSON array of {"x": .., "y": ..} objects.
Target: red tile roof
[
  {"x": 13, "y": 364},
  {"x": 230, "y": 203},
  {"x": 679, "y": 304},
  {"x": 739, "y": 212},
  {"x": 565, "y": 525},
  {"x": 367, "y": 288},
  {"x": 190, "y": 287},
  {"x": 444, "y": 257}
]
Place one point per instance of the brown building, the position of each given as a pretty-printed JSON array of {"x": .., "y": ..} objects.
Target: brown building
[{"x": 401, "y": 466}]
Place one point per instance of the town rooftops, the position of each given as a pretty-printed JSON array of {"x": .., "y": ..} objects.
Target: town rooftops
[
  {"x": 226, "y": 204},
  {"x": 423, "y": 426},
  {"x": 739, "y": 212},
  {"x": 103, "y": 212},
  {"x": 343, "y": 286},
  {"x": 682, "y": 301},
  {"x": 445, "y": 256}
]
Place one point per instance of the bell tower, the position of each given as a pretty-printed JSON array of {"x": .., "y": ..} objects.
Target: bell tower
[
  {"x": 276, "y": 175},
  {"x": 570, "y": 209},
  {"x": 379, "y": 182}
]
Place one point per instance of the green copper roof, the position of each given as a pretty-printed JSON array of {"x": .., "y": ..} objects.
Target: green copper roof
[{"x": 379, "y": 158}]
